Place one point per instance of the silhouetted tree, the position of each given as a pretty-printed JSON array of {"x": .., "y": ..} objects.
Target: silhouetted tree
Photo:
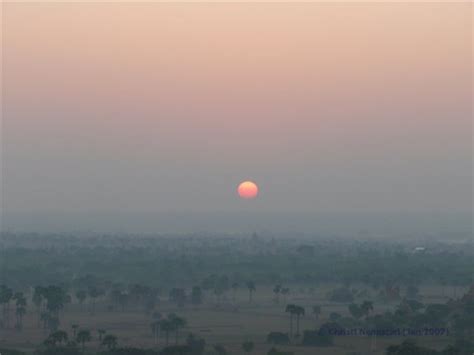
[
  {"x": 83, "y": 337},
  {"x": 176, "y": 323},
  {"x": 299, "y": 311},
  {"x": 290, "y": 308}
]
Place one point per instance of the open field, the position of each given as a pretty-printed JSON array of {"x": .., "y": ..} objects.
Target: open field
[{"x": 223, "y": 323}]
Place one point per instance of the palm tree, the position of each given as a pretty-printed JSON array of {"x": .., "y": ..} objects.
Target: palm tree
[
  {"x": 6, "y": 294},
  {"x": 38, "y": 301},
  {"x": 251, "y": 288},
  {"x": 55, "y": 297},
  {"x": 276, "y": 291},
  {"x": 20, "y": 308},
  {"x": 57, "y": 337},
  {"x": 166, "y": 326},
  {"x": 20, "y": 312},
  {"x": 109, "y": 341},
  {"x": 317, "y": 311},
  {"x": 299, "y": 311},
  {"x": 74, "y": 327},
  {"x": 177, "y": 323},
  {"x": 83, "y": 337},
  {"x": 101, "y": 333},
  {"x": 94, "y": 293},
  {"x": 290, "y": 308},
  {"x": 155, "y": 328}
]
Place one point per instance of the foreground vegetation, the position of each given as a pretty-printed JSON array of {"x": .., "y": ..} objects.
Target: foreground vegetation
[{"x": 233, "y": 294}]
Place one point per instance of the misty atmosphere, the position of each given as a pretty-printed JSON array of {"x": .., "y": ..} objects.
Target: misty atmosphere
[{"x": 210, "y": 178}]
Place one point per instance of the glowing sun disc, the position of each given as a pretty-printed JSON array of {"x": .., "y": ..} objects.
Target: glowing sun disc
[{"x": 247, "y": 190}]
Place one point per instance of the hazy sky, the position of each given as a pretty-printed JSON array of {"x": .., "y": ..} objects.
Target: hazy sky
[{"x": 152, "y": 108}]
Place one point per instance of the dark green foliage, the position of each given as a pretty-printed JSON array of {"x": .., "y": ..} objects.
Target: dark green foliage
[
  {"x": 122, "y": 273},
  {"x": 37, "y": 259}
]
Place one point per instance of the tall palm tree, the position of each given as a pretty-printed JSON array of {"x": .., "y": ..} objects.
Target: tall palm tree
[
  {"x": 299, "y": 311},
  {"x": 38, "y": 301},
  {"x": 316, "y": 311},
  {"x": 84, "y": 336},
  {"x": 290, "y": 308},
  {"x": 74, "y": 327},
  {"x": 155, "y": 329},
  {"x": 20, "y": 312},
  {"x": 20, "y": 308},
  {"x": 6, "y": 294},
  {"x": 166, "y": 327},
  {"x": 251, "y": 288},
  {"x": 57, "y": 337},
  {"x": 177, "y": 323},
  {"x": 276, "y": 291},
  {"x": 94, "y": 293},
  {"x": 55, "y": 297}
]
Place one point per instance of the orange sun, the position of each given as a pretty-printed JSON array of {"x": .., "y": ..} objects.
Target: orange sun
[{"x": 247, "y": 190}]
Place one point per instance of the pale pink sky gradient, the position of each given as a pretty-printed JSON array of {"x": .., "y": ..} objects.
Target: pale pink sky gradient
[{"x": 157, "y": 107}]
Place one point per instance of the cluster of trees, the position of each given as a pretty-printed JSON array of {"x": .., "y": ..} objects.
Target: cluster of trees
[
  {"x": 59, "y": 340},
  {"x": 457, "y": 315},
  {"x": 111, "y": 273},
  {"x": 18, "y": 298},
  {"x": 165, "y": 326},
  {"x": 50, "y": 302},
  {"x": 364, "y": 309},
  {"x": 60, "y": 343},
  {"x": 189, "y": 260}
]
